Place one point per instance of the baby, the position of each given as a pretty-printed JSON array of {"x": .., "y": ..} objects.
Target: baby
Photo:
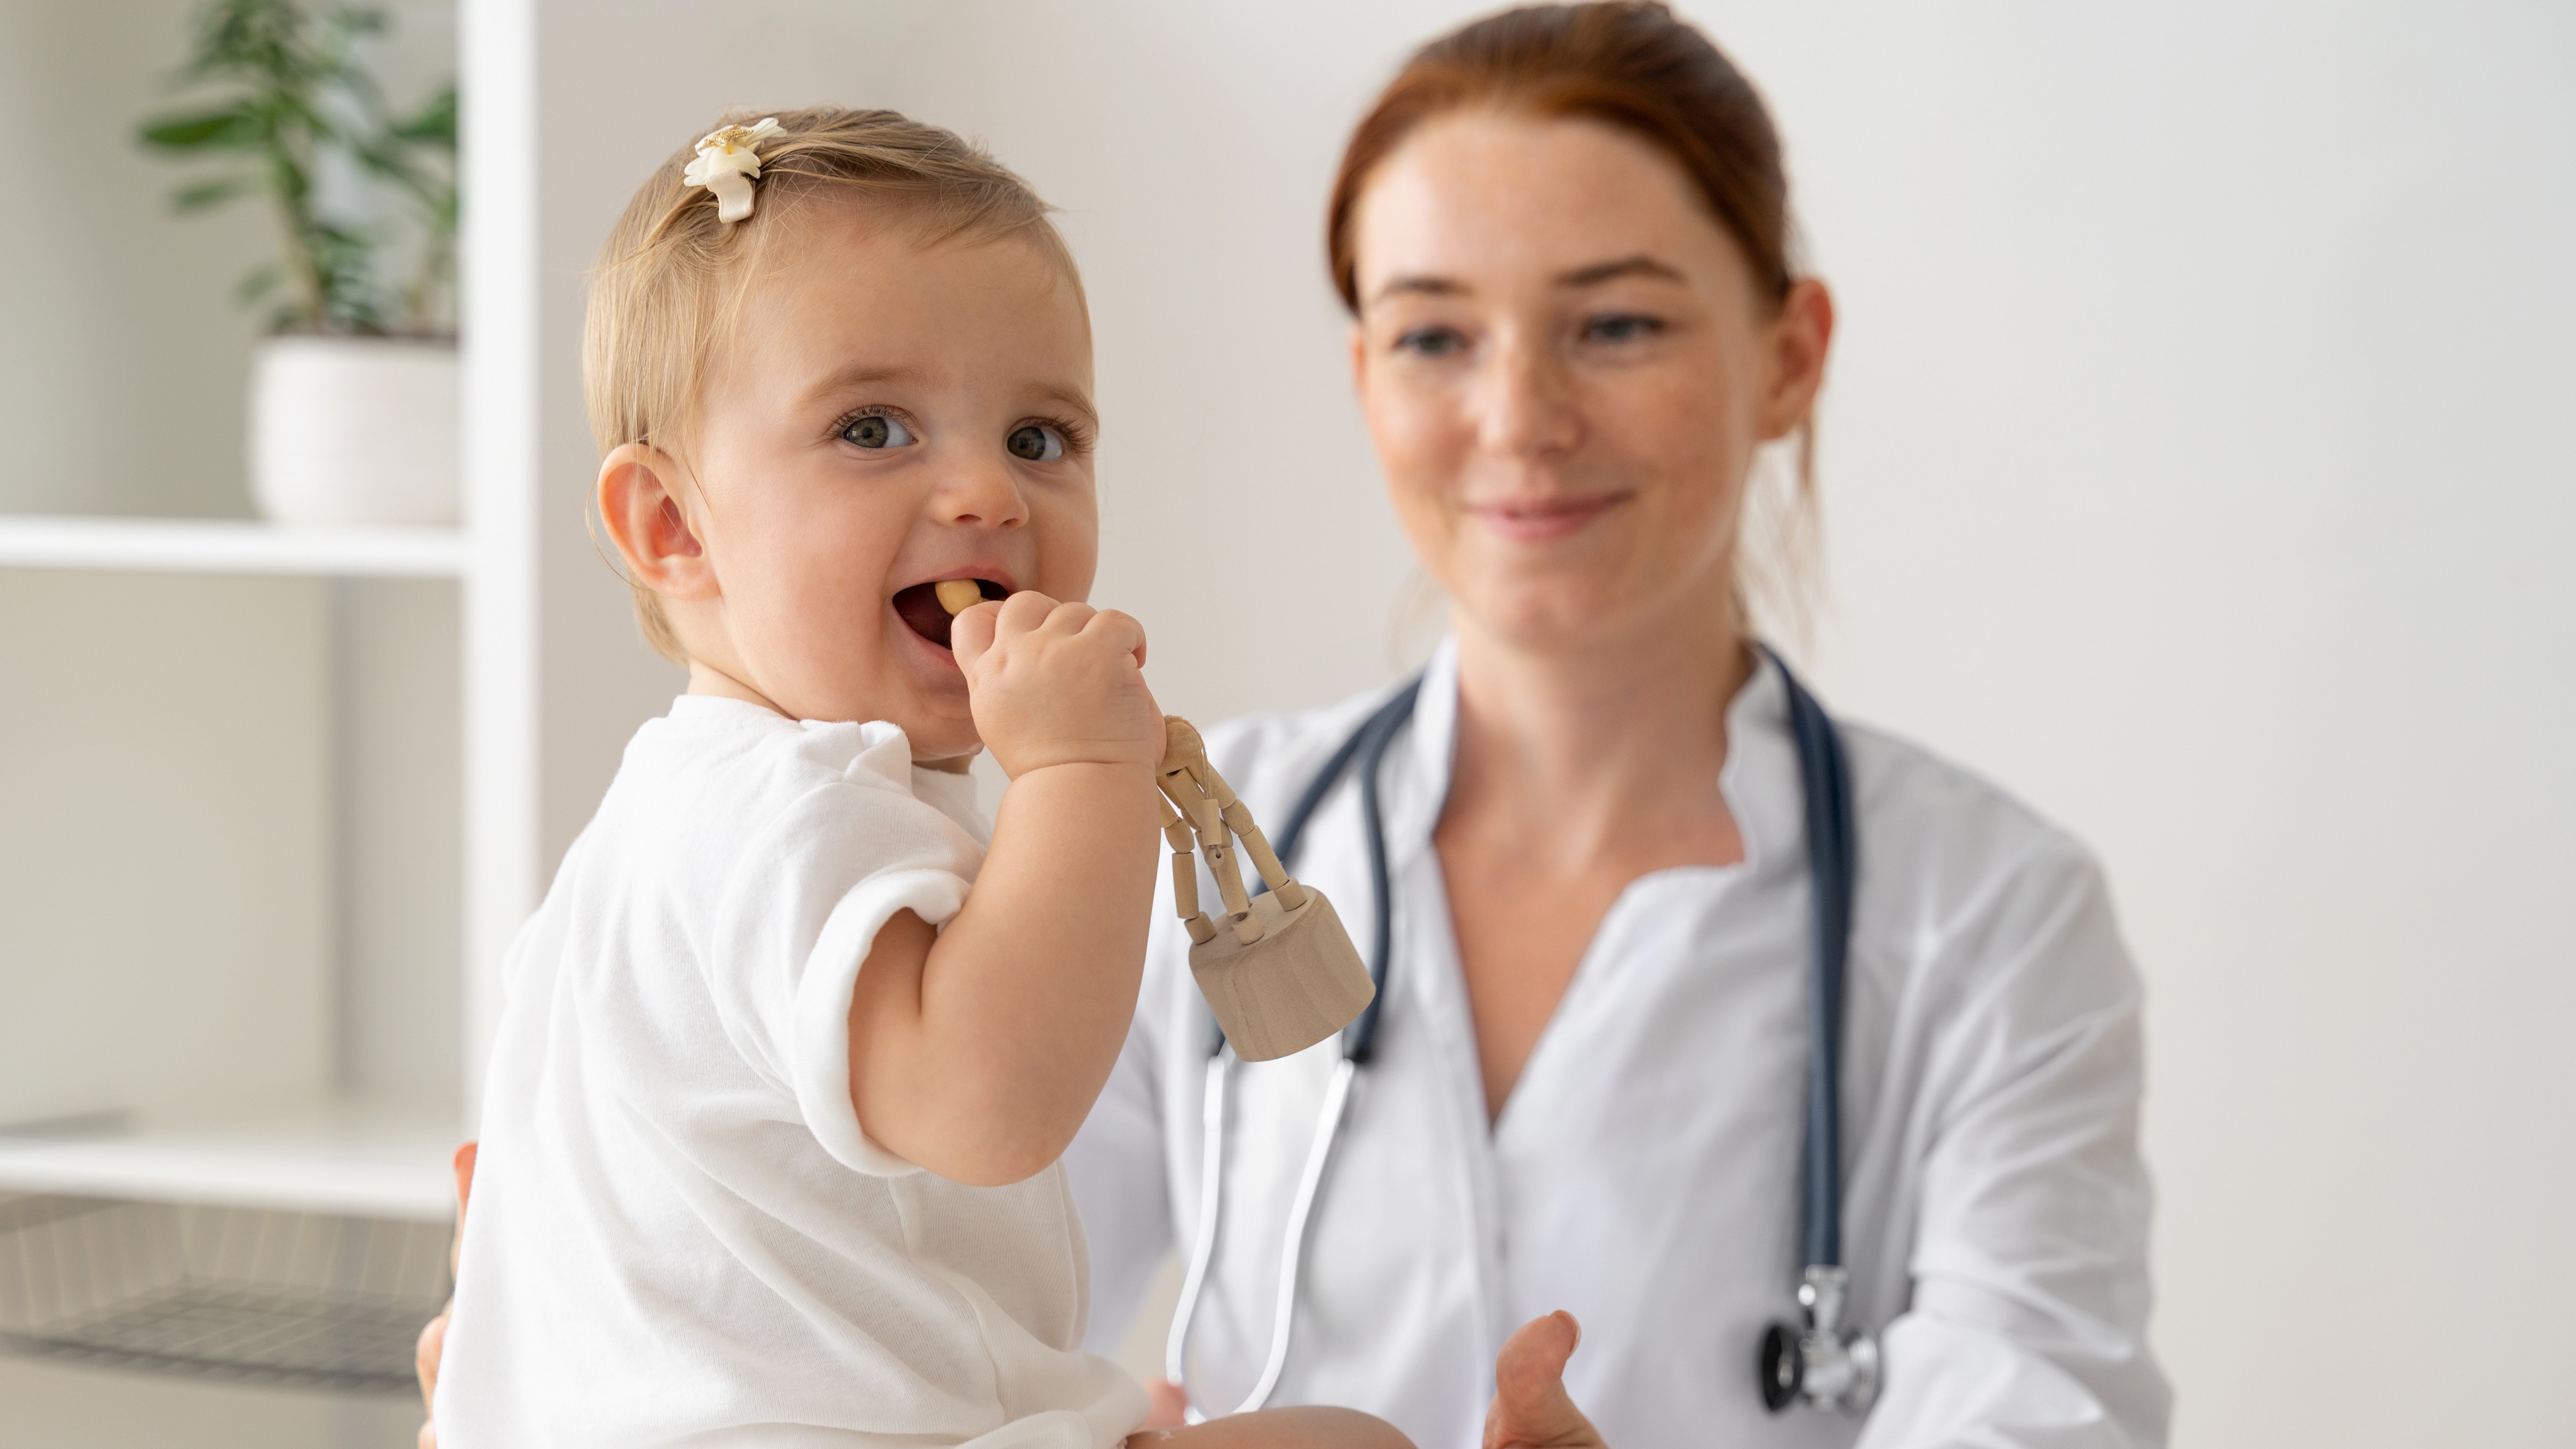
[{"x": 770, "y": 1135}]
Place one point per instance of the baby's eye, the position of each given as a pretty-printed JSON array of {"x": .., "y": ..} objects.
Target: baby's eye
[
  {"x": 876, "y": 430},
  {"x": 1035, "y": 443}
]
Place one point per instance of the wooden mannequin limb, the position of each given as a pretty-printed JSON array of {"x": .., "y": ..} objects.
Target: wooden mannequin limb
[
  {"x": 1229, "y": 884},
  {"x": 1185, "y": 875},
  {"x": 1186, "y": 780},
  {"x": 1238, "y": 818}
]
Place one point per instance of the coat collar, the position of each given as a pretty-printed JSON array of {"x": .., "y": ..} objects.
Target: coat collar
[{"x": 1759, "y": 781}]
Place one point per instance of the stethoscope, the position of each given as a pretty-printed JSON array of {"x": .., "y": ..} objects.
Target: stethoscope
[{"x": 1816, "y": 1359}]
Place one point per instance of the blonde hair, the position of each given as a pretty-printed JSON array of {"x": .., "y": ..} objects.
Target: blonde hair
[{"x": 668, "y": 287}]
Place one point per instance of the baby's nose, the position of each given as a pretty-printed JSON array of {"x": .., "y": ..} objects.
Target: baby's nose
[{"x": 987, "y": 495}]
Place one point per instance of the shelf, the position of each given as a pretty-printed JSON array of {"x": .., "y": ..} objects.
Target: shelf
[
  {"x": 350, "y": 1159},
  {"x": 289, "y": 1299},
  {"x": 228, "y": 546}
]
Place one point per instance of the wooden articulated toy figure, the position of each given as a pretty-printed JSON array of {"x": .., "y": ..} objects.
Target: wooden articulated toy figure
[{"x": 1279, "y": 970}]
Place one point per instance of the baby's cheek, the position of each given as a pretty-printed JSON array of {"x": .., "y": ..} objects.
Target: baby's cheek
[{"x": 1064, "y": 535}]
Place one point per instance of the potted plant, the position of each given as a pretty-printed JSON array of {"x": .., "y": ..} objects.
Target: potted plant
[{"x": 354, "y": 394}]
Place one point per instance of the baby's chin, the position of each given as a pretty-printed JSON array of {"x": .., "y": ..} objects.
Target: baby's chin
[{"x": 937, "y": 721}]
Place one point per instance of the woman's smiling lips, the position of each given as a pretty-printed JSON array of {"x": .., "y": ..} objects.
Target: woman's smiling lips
[{"x": 1539, "y": 520}]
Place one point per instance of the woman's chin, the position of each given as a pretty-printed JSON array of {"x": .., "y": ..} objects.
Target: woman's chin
[{"x": 1555, "y": 615}]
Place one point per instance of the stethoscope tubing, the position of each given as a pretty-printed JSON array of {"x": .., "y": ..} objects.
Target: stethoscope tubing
[
  {"x": 1832, "y": 866},
  {"x": 1328, "y": 1131}
]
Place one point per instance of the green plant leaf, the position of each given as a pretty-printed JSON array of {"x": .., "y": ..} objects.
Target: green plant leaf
[
  {"x": 261, "y": 281},
  {"x": 434, "y": 124},
  {"x": 229, "y": 128},
  {"x": 212, "y": 193}
]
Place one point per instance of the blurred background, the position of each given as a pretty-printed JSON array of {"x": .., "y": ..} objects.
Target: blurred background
[{"x": 2195, "y": 463}]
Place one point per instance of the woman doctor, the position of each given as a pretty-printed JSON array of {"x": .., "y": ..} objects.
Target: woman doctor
[{"x": 1563, "y": 237}]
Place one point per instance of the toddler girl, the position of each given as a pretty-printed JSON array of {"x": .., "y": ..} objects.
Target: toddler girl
[{"x": 770, "y": 1135}]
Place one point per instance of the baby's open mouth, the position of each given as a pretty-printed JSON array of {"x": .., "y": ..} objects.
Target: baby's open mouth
[{"x": 920, "y": 608}]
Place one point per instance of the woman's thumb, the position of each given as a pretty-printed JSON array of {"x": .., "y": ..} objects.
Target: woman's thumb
[{"x": 1531, "y": 1407}]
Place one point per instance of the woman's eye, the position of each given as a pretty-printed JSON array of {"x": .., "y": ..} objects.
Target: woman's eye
[
  {"x": 1621, "y": 327},
  {"x": 1431, "y": 341},
  {"x": 876, "y": 430},
  {"x": 1035, "y": 443}
]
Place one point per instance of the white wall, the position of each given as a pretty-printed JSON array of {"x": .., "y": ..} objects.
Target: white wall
[
  {"x": 164, "y": 872},
  {"x": 2191, "y": 469},
  {"x": 2197, "y": 469}
]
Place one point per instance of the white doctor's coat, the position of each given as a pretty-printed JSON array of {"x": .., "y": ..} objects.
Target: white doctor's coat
[{"x": 1643, "y": 1172}]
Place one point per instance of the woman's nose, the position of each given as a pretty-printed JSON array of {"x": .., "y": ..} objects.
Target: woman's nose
[
  {"x": 1528, "y": 407},
  {"x": 983, "y": 495}
]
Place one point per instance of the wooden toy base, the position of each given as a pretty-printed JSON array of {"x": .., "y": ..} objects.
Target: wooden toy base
[{"x": 1300, "y": 983}]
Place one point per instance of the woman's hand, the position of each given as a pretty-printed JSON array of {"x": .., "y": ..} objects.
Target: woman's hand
[
  {"x": 1530, "y": 1408},
  {"x": 433, "y": 1338}
]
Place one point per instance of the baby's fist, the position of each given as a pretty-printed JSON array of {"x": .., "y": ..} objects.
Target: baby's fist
[{"x": 1057, "y": 684}]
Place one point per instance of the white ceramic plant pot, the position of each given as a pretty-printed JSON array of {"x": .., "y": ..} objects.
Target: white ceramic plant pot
[{"x": 354, "y": 430}]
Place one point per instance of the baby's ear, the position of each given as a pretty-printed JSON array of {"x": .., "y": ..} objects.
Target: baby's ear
[{"x": 640, "y": 496}]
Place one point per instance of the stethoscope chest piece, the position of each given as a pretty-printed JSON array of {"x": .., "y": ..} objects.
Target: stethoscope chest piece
[
  {"x": 1278, "y": 969},
  {"x": 1820, "y": 1363}
]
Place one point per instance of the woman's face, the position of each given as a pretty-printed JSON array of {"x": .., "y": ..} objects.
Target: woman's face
[{"x": 1567, "y": 368}]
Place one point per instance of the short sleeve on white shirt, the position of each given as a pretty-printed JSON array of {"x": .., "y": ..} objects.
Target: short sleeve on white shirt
[
  {"x": 805, "y": 898},
  {"x": 819, "y": 1053}
]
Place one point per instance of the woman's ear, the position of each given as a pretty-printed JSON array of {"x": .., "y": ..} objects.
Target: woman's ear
[
  {"x": 640, "y": 504},
  {"x": 1800, "y": 337}
]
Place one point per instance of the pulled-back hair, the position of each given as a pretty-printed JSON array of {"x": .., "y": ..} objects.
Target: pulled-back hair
[
  {"x": 1631, "y": 65},
  {"x": 671, "y": 277}
]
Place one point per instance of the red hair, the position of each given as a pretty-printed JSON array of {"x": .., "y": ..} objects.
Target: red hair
[{"x": 1630, "y": 65}]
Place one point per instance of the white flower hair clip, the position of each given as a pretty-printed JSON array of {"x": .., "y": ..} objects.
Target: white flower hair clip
[{"x": 727, "y": 165}]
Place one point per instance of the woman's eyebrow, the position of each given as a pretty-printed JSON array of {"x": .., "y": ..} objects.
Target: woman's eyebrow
[
  {"x": 1421, "y": 284},
  {"x": 1640, "y": 265},
  {"x": 1593, "y": 275}
]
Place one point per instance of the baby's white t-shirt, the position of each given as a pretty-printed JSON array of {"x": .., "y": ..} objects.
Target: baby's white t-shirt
[{"x": 680, "y": 1233}]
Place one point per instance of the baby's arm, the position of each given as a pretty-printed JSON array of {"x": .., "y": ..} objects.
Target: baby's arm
[{"x": 977, "y": 1050}]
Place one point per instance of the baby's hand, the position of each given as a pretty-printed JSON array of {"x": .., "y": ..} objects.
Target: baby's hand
[{"x": 1058, "y": 684}]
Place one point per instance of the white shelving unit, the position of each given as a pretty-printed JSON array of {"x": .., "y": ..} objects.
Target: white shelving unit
[
  {"x": 254, "y": 1177},
  {"x": 229, "y": 546},
  {"x": 549, "y": 680},
  {"x": 350, "y": 1159},
  {"x": 320, "y": 1152},
  {"x": 273, "y": 802},
  {"x": 191, "y": 1031}
]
